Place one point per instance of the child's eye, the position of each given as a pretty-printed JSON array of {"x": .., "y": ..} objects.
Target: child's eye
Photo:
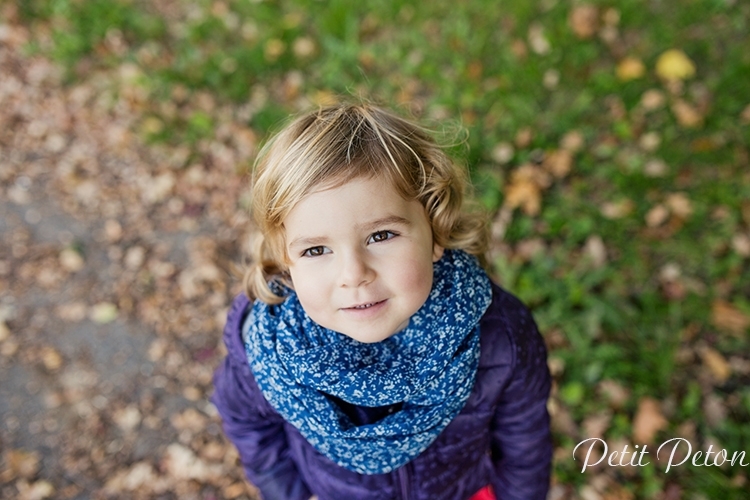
[
  {"x": 381, "y": 236},
  {"x": 314, "y": 252}
]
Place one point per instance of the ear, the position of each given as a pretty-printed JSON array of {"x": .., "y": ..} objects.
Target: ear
[{"x": 437, "y": 252}]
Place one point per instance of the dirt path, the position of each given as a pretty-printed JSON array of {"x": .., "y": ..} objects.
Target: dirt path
[{"x": 115, "y": 264}]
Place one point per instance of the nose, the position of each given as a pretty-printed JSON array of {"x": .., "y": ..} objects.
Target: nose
[{"x": 355, "y": 270}]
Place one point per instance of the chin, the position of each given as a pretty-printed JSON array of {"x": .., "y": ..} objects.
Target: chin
[{"x": 369, "y": 338}]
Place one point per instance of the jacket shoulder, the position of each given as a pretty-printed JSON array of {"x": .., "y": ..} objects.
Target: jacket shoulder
[
  {"x": 507, "y": 330},
  {"x": 233, "y": 327}
]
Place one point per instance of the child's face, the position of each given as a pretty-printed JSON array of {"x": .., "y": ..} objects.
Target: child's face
[{"x": 360, "y": 258}]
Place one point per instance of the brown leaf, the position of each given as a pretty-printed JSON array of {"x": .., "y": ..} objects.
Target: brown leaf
[
  {"x": 648, "y": 420},
  {"x": 680, "y": 205},
  {"x": 653, "y": 99},
  {"x": 615, "y": 393},
  {"x": 617, "y": 209},
  {"x": 630, "y": 68},
  {"x": 584, "y": 20},
  {"x": 71, "y": 260},
  {"x": 687, "y": 115},
  {"x": 182, "y": 463},
  {"x": 572, "y": 141},
  {"x": 22, "y": 463},
  {"x": 657, "y": 216},
  {"x": 51, "y": 358},
  {"x": 594, "y": 426},
  {"x": 728, "y": 318},
  {"x": 596, "y": 250},
  {"x": 745, "y": 115},
  {"x": 525, "y": 189},
  {"x": 741, "y": 244},
  {"x": 715, "y": 410},
  {"x": 558, "y": 163},
  {"x": 716, "y": 363}
]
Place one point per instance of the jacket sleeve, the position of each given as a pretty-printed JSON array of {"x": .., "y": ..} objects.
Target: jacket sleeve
[
  {"x": 255, "y": 428},
  {"x": 521, "y": 439}
]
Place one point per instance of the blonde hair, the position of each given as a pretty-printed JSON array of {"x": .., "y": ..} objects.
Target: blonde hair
[{"x": 334, "y": 145}]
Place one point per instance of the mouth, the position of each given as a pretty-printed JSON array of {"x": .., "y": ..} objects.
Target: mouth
[{"x": 367, "y": 305}]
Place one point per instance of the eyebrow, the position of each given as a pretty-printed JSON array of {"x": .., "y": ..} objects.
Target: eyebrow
[{"x": 368, "y": 226}]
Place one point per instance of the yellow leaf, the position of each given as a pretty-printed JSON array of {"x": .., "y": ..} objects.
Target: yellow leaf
[
  {"x": 674, "y": 65},
  {"x": 103, "y": 312},
  {"x": 630, "y": 68}
]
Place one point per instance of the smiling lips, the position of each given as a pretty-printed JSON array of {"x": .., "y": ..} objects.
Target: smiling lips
[{"x": 365, "y": 306}]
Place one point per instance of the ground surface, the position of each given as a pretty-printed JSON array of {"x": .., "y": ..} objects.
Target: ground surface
[{"x": 111, "y": 300}]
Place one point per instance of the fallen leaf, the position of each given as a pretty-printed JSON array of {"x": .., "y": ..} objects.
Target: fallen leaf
[
  {"x": 648, "y": 420},
  {"x": 596, "y": 250},
  {"x": 103, "y": 312},
  {"x": 680, "y": 205},
  {"x": 22, "y": 463},
  {"x": 74, "y": 311},
  {"x": 572, "y": 141},
  {"x": 655, "y": 168},
  {"x": 525, "y": 189},
  {"x": 715, "y": 410},
  {"x": 112, "y": 230},
  {"x": 127, "y": 418},
  {"x": 502, "y": 153},
  {"x": 594, "y": 426},
  {"x": 530, "y": 248},
  {"x": 650, "y": 141},
  {"x": 584, "y": 20},
  {"x": 653, "y": 99},
  {"x": 134, "y": 257},
  {"x": 537, "y": 40},
  {"x": 745, "y": 115},
  {"x": 727, "y": 317},
  {"x": 687, "y": 116},
  {"x": 657, "y": 216},
  {"x": 741, "y": 244},
  {"x": 617, "y": 209},
  {"x": 4, "y": 331},
  {"x": 71, "y": 260},
  {"x": 716, "y": 363},
  {"x": 630, "y": 68},
  {"x": 524, "y": 137},
  {"x": 615, "y": 393},
  {"x": 35, "y": 491},
  {"x": 51, "y": 358},
  {"x": 674, "y": 65},
  {"x": 304, "y": 47},
  {"x": 182, "y": 463},
  {"x": 558, "y": 163},
  {"x": 190, "y": 420}
]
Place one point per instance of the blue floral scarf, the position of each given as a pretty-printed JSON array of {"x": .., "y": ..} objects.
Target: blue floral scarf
[{"x": 430, "y": 367}]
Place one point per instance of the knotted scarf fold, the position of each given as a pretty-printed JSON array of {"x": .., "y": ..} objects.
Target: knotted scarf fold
[{"x": 430, "y": 366}]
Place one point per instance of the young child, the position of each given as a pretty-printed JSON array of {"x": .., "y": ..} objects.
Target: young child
[{"x": 372, "y": 357}]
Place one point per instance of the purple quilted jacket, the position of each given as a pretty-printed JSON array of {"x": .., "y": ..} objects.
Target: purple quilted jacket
[{"x": 500, "y": 438}]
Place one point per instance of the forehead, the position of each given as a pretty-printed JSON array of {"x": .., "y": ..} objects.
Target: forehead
[{"x": 351, "y": 205}]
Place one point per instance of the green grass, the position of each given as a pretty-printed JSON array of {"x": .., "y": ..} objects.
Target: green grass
[{"x": 473, "y": 63}]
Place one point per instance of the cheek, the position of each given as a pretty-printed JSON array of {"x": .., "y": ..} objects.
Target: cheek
[
  {"x": 416, "y": 279},
  {"x": 309, "y": 288}
]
